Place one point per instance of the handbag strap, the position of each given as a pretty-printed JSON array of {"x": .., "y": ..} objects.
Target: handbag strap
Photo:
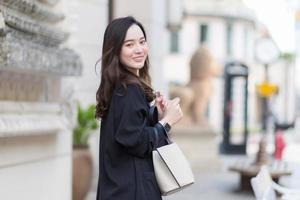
[{"x": 167, "y": 139}]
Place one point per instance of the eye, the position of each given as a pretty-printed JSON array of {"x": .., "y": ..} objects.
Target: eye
[
  {"x": 143, "y": 42},
  {"x": 129, "y": 44}
]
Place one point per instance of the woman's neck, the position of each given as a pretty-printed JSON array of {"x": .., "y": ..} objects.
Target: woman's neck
[{"x": 134, "y": 71}]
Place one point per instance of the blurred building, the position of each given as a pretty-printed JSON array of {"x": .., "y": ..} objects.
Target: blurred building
[
  {"x": 297, "y": 64},
  {"x": 227, "y": 28},
  {"x": 284, "y": 71},
  {"x": 35, "y": 117}
]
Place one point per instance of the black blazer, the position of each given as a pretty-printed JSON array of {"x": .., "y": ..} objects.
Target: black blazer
[{"x": 128, "y": 136}]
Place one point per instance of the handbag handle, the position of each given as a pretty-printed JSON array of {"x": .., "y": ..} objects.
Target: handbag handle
[{"x": 167, "y": 139}]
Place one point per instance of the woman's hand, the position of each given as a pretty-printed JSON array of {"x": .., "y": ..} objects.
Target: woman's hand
[
  {"x": 172, "y": 112},
  {"x": 160, "y": 103}
]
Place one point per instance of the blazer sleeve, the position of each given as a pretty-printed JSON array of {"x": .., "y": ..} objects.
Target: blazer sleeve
[{"x": 133, "y": 132}]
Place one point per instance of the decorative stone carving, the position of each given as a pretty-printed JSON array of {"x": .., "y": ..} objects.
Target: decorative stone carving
[
  {"x": 34, "y": 134},
  {"x": 18, "y": 119},
  {"x": 29, "y": 41},
  {"x": 31, "y": 61},
  {"x": 36, "y": 39},
  {"x": 26, "y": 24},
  {"x": 21, "y": 87},
  {"x": 2, "y": 22},
  {"x": 31, "y": 44},
  {"x": 24, "y": 55},
  {"x": 49, "y": 2},
  {"x": 33, "y": 9}
]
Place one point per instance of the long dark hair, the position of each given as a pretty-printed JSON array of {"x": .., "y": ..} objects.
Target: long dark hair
[{"x": 113, "y": 72}]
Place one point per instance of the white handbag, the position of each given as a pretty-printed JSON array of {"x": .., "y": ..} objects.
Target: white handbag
[{"x": 172, "y": 170}]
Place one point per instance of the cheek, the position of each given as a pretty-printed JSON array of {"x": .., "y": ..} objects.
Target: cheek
[
  {"x": 145, "y": 49},
  {"x": 125, "y": 54}
]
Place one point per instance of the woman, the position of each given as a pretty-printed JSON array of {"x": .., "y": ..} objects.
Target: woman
[{"x": 130, "y": 130}]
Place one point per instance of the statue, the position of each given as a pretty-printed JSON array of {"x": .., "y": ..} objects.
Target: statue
[{"x": 195, "y": 95}]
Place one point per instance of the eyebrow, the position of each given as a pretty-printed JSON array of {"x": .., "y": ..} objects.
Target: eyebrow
[{"x": 130, "y": 40}]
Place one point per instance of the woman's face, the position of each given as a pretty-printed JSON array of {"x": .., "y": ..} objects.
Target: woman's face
[{"x": 134, "y": 50}]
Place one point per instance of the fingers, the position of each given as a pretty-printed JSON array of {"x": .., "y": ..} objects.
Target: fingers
[
  {"x": 159, "y": 98},
  {"x": 173, "y": 103},
  {"x": 176, "y": 100},
  {"x": 172, "y": 110},
  {"x": 161, "y": 102},
  {"x": 157, "y": 93},
  {"x": 164, "y": 102},
  {"x": 180, "y": 112}
]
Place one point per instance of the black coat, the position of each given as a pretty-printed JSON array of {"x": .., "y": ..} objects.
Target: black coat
[{"x": 128, "y": 136}]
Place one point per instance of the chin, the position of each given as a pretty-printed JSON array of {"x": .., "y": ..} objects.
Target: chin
[{"x": 138, "y": 66}]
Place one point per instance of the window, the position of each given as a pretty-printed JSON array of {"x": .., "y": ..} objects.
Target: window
[
  {"x": 203, "y": 33},
  {"x": 229, "y": 39},
  {"x": 174, "y": 47}
]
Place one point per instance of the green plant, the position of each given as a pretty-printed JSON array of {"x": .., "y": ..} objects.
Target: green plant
[
  {"x": 86, "y": 123},
  {"x": 288, "y": 57}
]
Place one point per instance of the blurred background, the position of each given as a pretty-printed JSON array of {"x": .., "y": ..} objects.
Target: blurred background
[{"x": 233, "y": 63}]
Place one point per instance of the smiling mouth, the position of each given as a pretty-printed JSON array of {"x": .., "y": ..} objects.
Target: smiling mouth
[{"x": 138, "y": 59}]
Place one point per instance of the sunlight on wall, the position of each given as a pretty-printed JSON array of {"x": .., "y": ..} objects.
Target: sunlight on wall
[{"x": 279, "y": 19}]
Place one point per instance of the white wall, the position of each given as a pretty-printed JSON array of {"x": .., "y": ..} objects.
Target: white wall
[
  {"x": 217, "y": 39},
  {"x": 152, "y": 14},
  {"x": 297, "y": 64},
  {"x": 283, "y": 104},
  {"x": 189, "y": 37},
  {"x": 36, "y": 167},
  {"x": 87, "y": 25},
  {"x": 238, "y": 41},
  {"x": 87, "y": 22}
]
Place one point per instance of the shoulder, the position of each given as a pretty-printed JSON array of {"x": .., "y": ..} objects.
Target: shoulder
[
  {"x": 128, "y": 99},
  {"x": 129, "y": 90}
]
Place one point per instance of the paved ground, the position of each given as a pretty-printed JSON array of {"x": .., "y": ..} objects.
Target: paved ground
[
  {"x": 213, "y": 180},
  {"x": 212, "y": 186}
]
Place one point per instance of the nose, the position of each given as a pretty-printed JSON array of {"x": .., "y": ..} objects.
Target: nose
[{"x": 138, "y": 49}]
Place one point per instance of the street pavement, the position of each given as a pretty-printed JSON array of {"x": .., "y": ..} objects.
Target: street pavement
[{"x": 213, "y": 180}]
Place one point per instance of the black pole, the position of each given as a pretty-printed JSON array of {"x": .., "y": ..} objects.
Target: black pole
[
  {"x": 265, "y": 103},
  {"x": 265, "y": 114},
  {"x": 111, "y": 4}
]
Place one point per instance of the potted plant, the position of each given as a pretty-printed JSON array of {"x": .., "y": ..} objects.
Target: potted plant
[{"x": 82, "y": 158}]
